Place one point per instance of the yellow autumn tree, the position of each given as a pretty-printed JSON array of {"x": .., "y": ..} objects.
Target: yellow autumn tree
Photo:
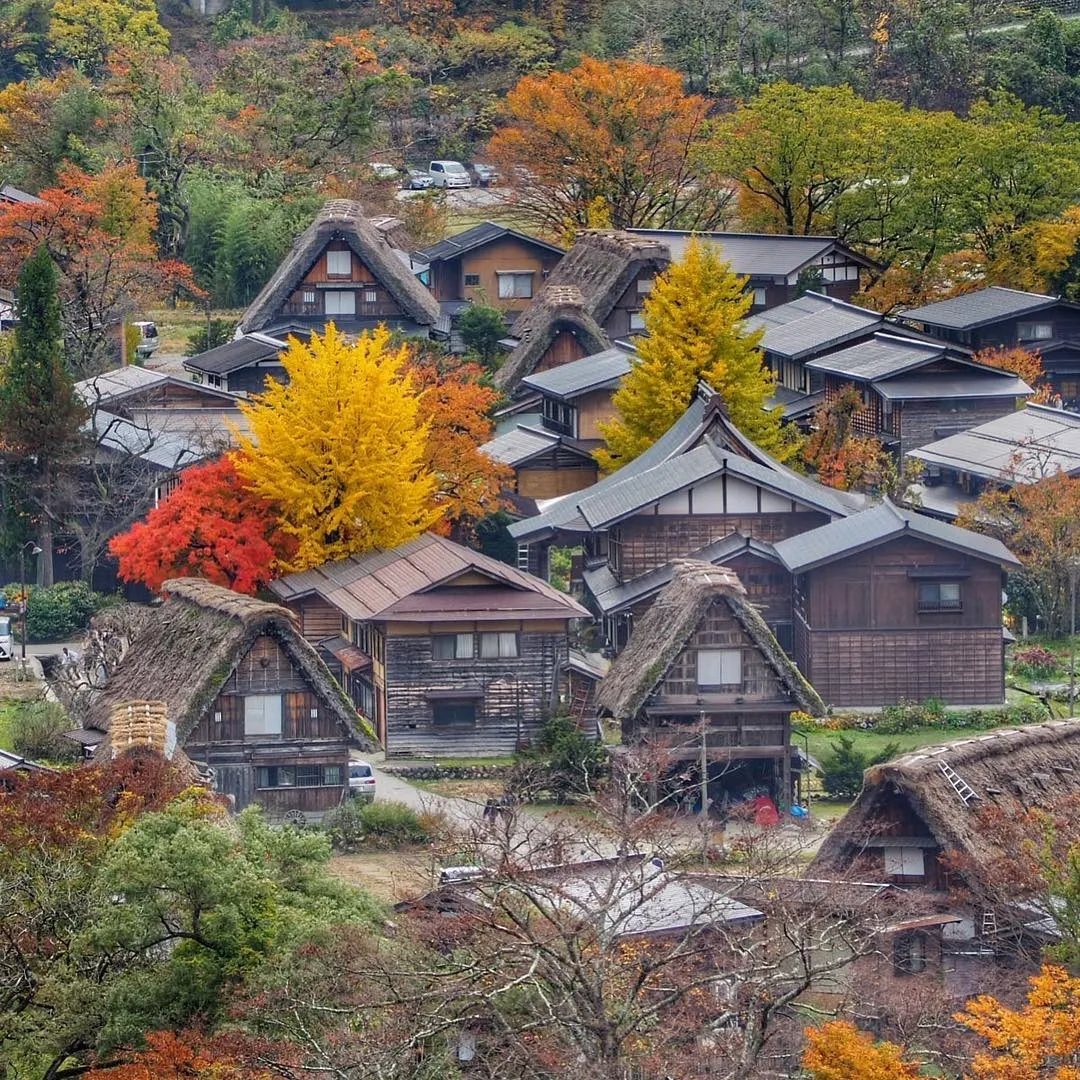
[
  {"x": 1038, "y": 1042},
  {"x": 694, "y": 319},
  {"x": 340, "y": 448},
  {"x": 840, "y": 1051}
]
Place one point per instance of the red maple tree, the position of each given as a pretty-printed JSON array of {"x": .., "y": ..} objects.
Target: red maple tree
[{"x": 212, "y": 525}]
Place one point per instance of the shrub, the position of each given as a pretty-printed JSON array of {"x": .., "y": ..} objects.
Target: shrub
[
  {"x": 209, "y": 336},
  {"x": 1034, "y": 662},
  {"x": 571, "y": 760},
  {"x": 59, "y": 611},
  {"x": 37, "y": 730},
  {"x": 356, "y": 825},
  {"x": 842, "y": 770},
  {"x": 481, "y": 330}
]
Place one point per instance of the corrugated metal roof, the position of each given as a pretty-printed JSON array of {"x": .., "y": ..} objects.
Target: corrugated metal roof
[
  {"x": 935, "y": 386},
  {"x": 978, "y": 308},
  {"x": 1026, "y": 445},
  {"x": 845, "y": 536},
  {"x": 519, "y": 445},
  {"x": 603, "y": 369},
  {"x": 234, "y": 355},
  {"x": 881, "y": 356},
  {"x": 113, "y": 384},
  {"x": 810, "y": 324},
  {"x": 753, "y": 254},
  {"x": 371, "y": 586}
]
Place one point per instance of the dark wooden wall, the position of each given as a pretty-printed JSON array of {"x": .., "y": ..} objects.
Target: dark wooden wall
[
  {"x": 411, "y": 673},
  {"x": 319, "y": 619},
  {"x": 565, "y": 349},
  {"x": 252, "y": 380},
  {"x": 922, "y": 422}
]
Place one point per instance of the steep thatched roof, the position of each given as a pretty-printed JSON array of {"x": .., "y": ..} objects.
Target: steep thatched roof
[
  {"x": 669, "y": 624},
  {"x": 341, "y": 219},
  {"x": 1012, "y": 769},
  {"x": 190, "y": 647},
  {"x": 579, "y": 295}
]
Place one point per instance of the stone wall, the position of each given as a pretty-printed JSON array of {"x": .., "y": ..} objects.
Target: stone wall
[{"x": 435, "y": 771}]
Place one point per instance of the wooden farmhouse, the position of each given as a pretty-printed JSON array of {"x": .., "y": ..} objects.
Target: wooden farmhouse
[
  {"x": 997, "y": 318},
  {"x": 444, "y": 650},
  {"x": 343, "y": 269},
  {"x": 243, "y": 365},
  {"x": 929, "y": 821},
  {"x": 545, "y": 464},
  {"x": 806, "y": 554},
  {"x": 591, "y": 299},
  {"x": 1020, "y": 447},
  {"x": 489, "y": 264},
  {"x": 890, "y": 604},
  {"x": 247, "y": 696},
  {"x": 702, "y": 666}
]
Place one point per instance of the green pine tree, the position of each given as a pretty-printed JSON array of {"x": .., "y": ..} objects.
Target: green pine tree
[
  {"x": 41, "y": 415},
  {"x": 694, "y": 318}
]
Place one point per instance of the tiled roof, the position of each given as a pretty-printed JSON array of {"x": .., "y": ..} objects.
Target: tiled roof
[
  {"x": 978, "y": 308},
  {"x": 843, "y": 537},
  {"x": 811, "y": 323}
]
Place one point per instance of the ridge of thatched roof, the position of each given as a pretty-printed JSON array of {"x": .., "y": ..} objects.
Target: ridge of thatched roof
[
  {"x": 1010, "y": 769},
  {"x": 579, "y": 295},
  {"x": 668, "y": 625},
  {"x": 191, "y": 645},
  {"x": 342, "y": 219}
]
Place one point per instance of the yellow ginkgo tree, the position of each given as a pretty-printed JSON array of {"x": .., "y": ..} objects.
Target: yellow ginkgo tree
[{"x": 339, "y": 450}]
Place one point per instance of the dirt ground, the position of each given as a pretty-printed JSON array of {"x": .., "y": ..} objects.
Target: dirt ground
[{"x": 388, "y": 875}]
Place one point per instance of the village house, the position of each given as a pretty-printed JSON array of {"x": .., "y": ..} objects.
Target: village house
[
  {"x": 444, "y": 650},
  {"x": 926, "y": 821},
  {"x": 247, "y": 696},
  {"x": 545, "y": 464},
  {"x": 345, "y": 269},
  {"x": 1020, "y": 447},
  {"x": 243, "y": 365},
  {"x": 703, "y": 676},
  {"x": 998, "y": 318},
  {"x": 489, "y": 264},
  {"x": 892, "y": 605},
  {"x": 14, "y": 196}
]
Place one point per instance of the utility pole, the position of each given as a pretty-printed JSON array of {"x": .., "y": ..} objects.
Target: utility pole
[
  {"x": 704, "y": 796},
  {"x": 1072, "y": 639}
]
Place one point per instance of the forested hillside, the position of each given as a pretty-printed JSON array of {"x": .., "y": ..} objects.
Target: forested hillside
[{"x": 919, "y": 132}]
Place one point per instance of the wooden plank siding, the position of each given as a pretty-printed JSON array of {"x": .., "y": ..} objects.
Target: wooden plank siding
[
  {"x": 551, "y": 481},
  {"x": 319, "y": 619},
  {"x": 360, "y": 281},
  {"x": 507, "y": 254},
  {"x": 563, "y": 350}
]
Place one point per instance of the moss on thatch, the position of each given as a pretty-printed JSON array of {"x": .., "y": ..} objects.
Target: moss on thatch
[
  {"x": 342, "y": 219},
  {"x": 190, "y": 647},
  {"x": 579, "y": 296},
  {"x": 669, "y": 624},
  {"x": 1011, "y": 770}
]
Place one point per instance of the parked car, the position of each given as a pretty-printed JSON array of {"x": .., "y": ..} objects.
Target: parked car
[
  {"x": 484, "y": 175},
  {"x": 361, "y": 781},
  {"x": 449, "y": 174},
  {"x": 383, "y": 170},
  {"x": 148, "y": 338},
  {"x": 7, "y": 639},
  {"x": 417, "y": 180}
]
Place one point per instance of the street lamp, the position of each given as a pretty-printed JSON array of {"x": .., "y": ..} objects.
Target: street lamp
[{"x": 34, "y": 550}]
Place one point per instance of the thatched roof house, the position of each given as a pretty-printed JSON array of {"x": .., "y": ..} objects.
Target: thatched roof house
[
  {"x": 342, "y": 221},
  {"x": 933, "y": 801},
  {"x": 580, "y": 298},
  {"x": 192, "y": 646},
  {"x": 666, "y": 631}
]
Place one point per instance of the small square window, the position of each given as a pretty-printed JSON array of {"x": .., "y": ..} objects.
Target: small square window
[
  {"x": 331, "y": 776},
  {"x": 339, "y": 263},
  {"x": 472, "y": 281},
  {"x": 308, "y": 775},
  {"x": 637, "y": 320},
  {"x": 760, "y": 299},
  {"x": 515, "y": 285},
  {"x": 644, "y": 286},
  {"x": 719, "y": 667},
  {"x": 498, "y": 646},
  {"x": 371, "y": 296},
  {"x": 452, "y": 647},
  {"x": 454, "y": 713},
  {"x": 940, "y": 596},
  {"x": 309, "y": 296}
]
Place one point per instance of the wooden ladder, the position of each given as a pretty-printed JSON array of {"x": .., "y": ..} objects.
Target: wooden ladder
[
  {"x": 579, "y": 703},
  {"x": 989, "y": 923},
  {"x": 958, "y": 783}
]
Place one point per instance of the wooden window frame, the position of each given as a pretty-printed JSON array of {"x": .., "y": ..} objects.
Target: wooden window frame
[
  {"x": 924, "y": 605},
  {"x": 453, "y": 713},
  {"x": 338, "y": 274},
  {"x": 472, "y": 281}
]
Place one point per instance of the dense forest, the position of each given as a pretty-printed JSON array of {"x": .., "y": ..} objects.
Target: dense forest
[{"x": 919, "y": 132}]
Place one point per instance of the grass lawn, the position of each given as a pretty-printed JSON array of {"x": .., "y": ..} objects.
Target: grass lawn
[
  {"x": 175, "y": 324},
  {"x": 870, "y": 742}
]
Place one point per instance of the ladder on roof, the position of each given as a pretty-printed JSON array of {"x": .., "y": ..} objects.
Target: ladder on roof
[
  {"x": 958, "y": 783},
  {"x": 989, "y": 923},
  {"x": 523, "y": 557}
]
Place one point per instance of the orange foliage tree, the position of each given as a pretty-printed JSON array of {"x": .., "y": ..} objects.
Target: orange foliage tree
[
  {"x": 188, "y": 1055},
  {"x": 1028, "y": 365},
  {"x": 212, "y": 525},
  {"x": 1041, "y": 1041},
  {"x": 99, "y": 231},
  {"x": 621, "y": 132},
  {"x": 457, "y": 406},
  {"x": 840, "y": 1051}
]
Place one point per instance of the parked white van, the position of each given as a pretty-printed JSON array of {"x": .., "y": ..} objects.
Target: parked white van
[{"x": 449, "y": 174}]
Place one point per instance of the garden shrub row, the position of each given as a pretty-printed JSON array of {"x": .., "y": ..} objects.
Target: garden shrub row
[{"x": 912, "y": 715}]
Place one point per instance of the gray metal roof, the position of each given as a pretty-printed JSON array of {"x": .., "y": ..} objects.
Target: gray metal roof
[
  {"x": 755, "y": 254},
  {"x": 596, "y": 372},
  {"x": 611, "y": 596},
  {"x": 109, "y": 385},
  {"x": 236, "y": 354},
  {"x": 973, "y": 383},
  {"x": 152, "y": 439},
  {"x": 10, "y": 193},
  {"x": 883, "y": 355},
  {"x": 843, "y": 537},
  {"x": 476, "y": 237},
  {"x": 1027, "y": 445},
  {"x": 519, "y": 445},
  {"x": 810, "y": 324},
  {"x": 979, "y": 308}
]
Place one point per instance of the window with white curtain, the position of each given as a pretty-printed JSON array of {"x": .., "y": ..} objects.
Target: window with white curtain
[
  {"x": 719, "y": 667},
  {"x": 341, "y": 303},
  {"x": 498, "y": 646},
  {"x": 452, "y": 646},
  {"x": 262, "y": 714},
  {"x": 339, "y": 264}
]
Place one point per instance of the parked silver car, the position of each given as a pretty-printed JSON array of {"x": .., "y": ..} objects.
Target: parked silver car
[
  {"x": 361, "y": 781},
  {"x": 417, "y": 180},
  {"x": 449, "y": 174}
]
